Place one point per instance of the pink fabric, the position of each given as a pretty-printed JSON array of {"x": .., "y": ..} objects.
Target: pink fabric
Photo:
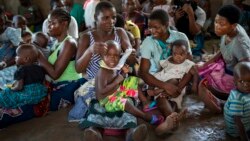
[{"x": 217, "y": 78}]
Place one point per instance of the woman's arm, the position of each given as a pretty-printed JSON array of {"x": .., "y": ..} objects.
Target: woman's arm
[
  {"x": 84, "y": 52},
  {"x": 66, "y": 53},
  {"x": 152, "y": 81},
  {"x": 125, "y": 44},
  {"x": 212, "y": 60}
]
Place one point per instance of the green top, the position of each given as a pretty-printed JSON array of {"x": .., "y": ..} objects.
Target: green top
[{"x": 70, "y": 71}]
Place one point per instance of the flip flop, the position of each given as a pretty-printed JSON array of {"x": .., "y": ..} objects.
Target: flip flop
[{"x": 151, "y": 106}]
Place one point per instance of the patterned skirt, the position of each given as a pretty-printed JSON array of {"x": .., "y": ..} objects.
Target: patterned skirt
[{"x": 97, "y": 116}]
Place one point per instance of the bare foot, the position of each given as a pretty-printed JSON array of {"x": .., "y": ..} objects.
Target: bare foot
[
  {"x": 169, "y": 124},
  {"x": 91, "y": 134},
  {"x": 137, "y": 134}
]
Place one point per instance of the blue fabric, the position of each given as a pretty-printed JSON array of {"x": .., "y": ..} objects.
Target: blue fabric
[
  {"x": 7, "y": 52},
  {"x": 199, "y": 40},
  {"x": 82, "y": 103},
  {"x": 7, "y": 117},
  {"x": 166, "y": 51},
  {"x": 63, "y": 93},
  {"x": 30, "y": 94}
]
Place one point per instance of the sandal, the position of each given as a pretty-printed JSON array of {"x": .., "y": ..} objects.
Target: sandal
[
  {"x": 151, "y": 106},
  {"x": 157, "y": 119}
]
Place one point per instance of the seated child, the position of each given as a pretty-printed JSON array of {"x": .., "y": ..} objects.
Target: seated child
[
  {"x": 28, "y": 87},
  {"x": 115, "y": 91},
  {"x": 237, "y": 107},
  {"x": 40, "y": 40},
  {"x": 177, "y": 69}
]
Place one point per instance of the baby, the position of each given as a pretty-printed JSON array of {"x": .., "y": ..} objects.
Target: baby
[
  {"x": 115, "y": 91},
  {"x": 237, "y": 107},
  {"x": 40, "y": 40},
  {"x": 28, "y": 87},
  {"x": 177, "y": 69}
]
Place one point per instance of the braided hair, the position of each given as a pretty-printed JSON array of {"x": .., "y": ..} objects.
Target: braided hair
[{"x": 61, "y": 15}]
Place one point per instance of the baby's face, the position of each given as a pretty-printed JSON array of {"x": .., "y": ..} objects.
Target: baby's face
[
  {"x": 243, "y": 84},
  {"x": 39, "y": 41},
  {"x": 179, "y": 54},
  {"x": 27, "y": 39},
  {"x": 112, "y": 57},
  {"x": 20, "y": 58}
]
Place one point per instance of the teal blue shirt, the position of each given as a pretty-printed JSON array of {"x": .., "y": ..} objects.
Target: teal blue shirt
[
  {"x": 238, "y": 104},
  {"x": 78, "y": 13},
  {"x": 153, "y": 49}
]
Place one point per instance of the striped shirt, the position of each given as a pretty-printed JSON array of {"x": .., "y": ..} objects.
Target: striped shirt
[
  {"x": 238, "y": 104},
  {"x": 94, "y": 63}
]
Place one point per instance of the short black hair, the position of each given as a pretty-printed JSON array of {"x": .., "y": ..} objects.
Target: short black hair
[
  {"x": 241, "y": 69},
  {"x": 103, "y": 5},
  {"x": 231, "y": 12},
  {"x": 159, "y": 15},
  {"x": 61, "y": 14},
  {"x": 180, "y": 43},
  {"x": 120, "y": 21}
]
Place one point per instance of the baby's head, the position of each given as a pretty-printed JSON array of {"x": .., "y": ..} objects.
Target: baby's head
[
  {"x": 179, "y": 51},
  {"x": 26, "y": 54},
  {"x": 40, "y": 39},
  {"x": 242, "y": 77},
  {"x": 26, "y": 36},
  {"x": 112, "y": 57}
]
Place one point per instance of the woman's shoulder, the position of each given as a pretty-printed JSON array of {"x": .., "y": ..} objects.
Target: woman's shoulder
[
  {"x": 242, "y": 37},
  {"x": 119, "y": 30}
]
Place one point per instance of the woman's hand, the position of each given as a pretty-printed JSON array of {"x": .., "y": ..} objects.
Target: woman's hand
[
  {"x": 99, "y": 48},
  {"x": 179, "y": 13},
  {"x": 171, "y": 89}
]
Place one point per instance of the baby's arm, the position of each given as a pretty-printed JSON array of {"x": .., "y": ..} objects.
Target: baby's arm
[
  {"x": 105, "y": 85},
  {"x": 241, "y": 129},
  {"x": 17, "y": 85}
]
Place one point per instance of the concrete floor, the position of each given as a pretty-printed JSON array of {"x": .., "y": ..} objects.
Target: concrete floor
[{"x": 200, "y": 125}]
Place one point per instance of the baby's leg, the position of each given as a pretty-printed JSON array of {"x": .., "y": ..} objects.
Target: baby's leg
[{"x": 130, "y": 108}]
